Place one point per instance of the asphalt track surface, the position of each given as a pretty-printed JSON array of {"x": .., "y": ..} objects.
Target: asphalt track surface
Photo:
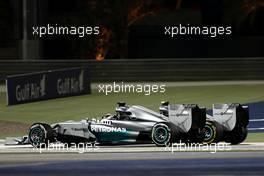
[
  {"x": 197, "y": 166},
  {"x": 244, "y": 159}
]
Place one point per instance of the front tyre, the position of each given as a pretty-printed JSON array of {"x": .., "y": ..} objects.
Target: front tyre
[
  {"x": 209, "y": 133},
  {"x": 213, "y": 132},
  {"x": 40, "y": 134},
  {"x": 161, "y": 134}
]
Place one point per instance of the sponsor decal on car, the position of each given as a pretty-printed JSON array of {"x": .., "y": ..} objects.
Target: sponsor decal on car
[{"x": 107, "y": 129}]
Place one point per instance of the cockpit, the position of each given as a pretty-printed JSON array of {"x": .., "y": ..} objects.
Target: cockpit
[{"x": 135, "y": 113}]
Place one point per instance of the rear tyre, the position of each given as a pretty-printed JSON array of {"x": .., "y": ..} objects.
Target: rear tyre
[
  {"x": 238, "y": 135},
  {"x": 40, "y": 134},
  {"x": 213, "y": 132},
  {"x": 161, "y": 134}
]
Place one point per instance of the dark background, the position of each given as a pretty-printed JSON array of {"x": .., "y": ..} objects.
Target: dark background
[{"x": 130, "y": 29}]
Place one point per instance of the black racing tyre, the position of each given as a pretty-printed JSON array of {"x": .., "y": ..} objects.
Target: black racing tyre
[
  {"x": 194, "y": 136},
  {"x": 213, "y": 132},
  {"x": 197, "y": 136},
  {"x": 161, "y": 134},
  {"x": 238, "y": 135},
  {"x": 40, "y": 134}
]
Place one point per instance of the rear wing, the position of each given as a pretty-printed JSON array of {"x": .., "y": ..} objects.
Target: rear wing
[
  {"x": 187, "y": 117},
  {"x": 231, "y": 115}
]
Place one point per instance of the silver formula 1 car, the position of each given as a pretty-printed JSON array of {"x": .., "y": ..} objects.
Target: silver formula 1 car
[
  {"x": 129, "y": 125},
  {"x": 228, "y": 122}
]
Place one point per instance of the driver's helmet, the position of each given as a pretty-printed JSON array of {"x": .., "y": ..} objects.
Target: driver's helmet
[{"x": 121, "y": 107}]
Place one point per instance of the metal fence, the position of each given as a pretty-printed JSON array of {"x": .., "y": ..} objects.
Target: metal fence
[{"x": 177, "y": 69}]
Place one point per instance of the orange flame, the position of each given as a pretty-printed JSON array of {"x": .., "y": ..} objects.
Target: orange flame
[{"x": 102, "y": 43}]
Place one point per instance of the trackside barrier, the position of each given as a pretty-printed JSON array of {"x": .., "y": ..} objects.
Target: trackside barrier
[
  {"x": 175, "y": 69},
  {"x": 51, "y": 84}
]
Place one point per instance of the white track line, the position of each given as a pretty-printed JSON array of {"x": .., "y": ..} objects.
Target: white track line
[
  {"x": 250, "y": 129},
  {"x": 257, "y": 146},
  {"x": 256, "y": 120}
]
